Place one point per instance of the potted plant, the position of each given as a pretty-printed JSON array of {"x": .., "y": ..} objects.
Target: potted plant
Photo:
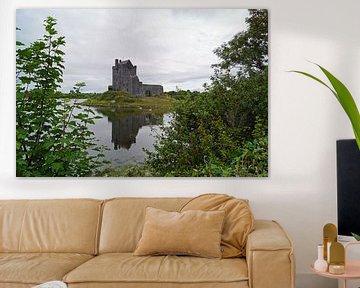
[{"x": 345, "y": 99}]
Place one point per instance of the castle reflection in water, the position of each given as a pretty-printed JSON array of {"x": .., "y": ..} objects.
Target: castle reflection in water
[{"x": 125, "y": 130}]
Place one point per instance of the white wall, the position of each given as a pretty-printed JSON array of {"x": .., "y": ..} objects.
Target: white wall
[{"x": 305, "y": 121}]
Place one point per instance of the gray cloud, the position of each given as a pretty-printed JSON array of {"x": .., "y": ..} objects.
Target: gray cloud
[{"x": 172, "y": 47}]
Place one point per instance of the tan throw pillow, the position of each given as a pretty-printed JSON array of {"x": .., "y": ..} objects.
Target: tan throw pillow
[
  {"x": 239, "y": 220},
  {"x": 196, "y": 233}
]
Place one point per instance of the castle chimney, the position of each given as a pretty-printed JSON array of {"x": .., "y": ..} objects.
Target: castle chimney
[{"x": 116, "y": 62}]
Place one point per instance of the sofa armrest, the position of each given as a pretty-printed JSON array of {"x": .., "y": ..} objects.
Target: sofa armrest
[{"x": 269, "y": 256}]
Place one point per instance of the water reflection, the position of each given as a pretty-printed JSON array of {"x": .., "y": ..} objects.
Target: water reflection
[
  {"x": 127, "y": 133},
  {"x": 124, "y": 131}
]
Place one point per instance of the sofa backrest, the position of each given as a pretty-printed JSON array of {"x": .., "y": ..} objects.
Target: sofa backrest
[
  {"x": 123, "y": 220},
  {"x": 67, "y": 226}
]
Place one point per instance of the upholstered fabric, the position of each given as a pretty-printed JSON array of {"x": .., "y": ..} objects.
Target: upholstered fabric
[
  {"x": 36, "y": 268},
  {"x": 269, "y": 260},
  {"x": 123, "y": 218},
  {"x": 237, "y": 284},
  {"x": 15, "y": 285},
  {"x": 68, "y": 226},
  {"x": 269, "y": 256},
  {"x": 193, "y": 232},
  {"x": 239, "y": 220},
  {"x": 127, "y": 268}
]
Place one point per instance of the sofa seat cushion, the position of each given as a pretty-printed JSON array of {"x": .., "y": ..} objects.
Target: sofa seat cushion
[
  {"x": 36, "y": 268},
  {"x": 127, "y": 268}
]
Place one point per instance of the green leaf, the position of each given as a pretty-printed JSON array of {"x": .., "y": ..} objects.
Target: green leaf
[
  {"x": 347, "y": 102},
  {"x": 314, "y": 78},
  {"x": 356, "y": 236},
  {"x": 344, "y": 97}
]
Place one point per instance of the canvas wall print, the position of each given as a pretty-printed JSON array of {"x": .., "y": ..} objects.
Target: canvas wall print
[{"x": 142, "y": 93}]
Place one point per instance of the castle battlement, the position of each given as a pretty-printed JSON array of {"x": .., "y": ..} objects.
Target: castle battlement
[{"x": 124, "y": 78}]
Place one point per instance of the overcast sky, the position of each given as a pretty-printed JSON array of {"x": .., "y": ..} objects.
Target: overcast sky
[{"x": 171, "y": 47}]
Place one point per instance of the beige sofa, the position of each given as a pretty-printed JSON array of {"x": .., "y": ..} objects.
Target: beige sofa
[{"x": 89, "y": 243}]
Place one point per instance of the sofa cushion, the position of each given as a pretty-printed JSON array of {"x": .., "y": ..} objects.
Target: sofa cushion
[
  {"x": 123, "y": 220},
  {"x": 63, "y": 226},
  {"x": 238, "y": 223},
  {"x": 15, "y": 285},
  {"x": 193, "y": 232},
  {"x": 36, "y": 268},
  {"x": 126, "y": 268},
  {"x": 237, "y": 284}
]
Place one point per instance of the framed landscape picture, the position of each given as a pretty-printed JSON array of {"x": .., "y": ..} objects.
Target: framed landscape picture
[{"x": 142, "y": 93}]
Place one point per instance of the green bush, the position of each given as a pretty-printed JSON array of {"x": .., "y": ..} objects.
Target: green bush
[
  {"x": 51, "y": 140},
  {"x": 223, "y": 131}
]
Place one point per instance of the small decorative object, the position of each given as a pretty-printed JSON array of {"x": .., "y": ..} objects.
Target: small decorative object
[
  {"x": 340, "y": 266},
  {"x": 320, "y": 264},
  {"x": 336, "y": 269},
  {"x": 328, "y": 251},
  {"x": 330, "y": 236},
  {"x": 337, "y": 258}
]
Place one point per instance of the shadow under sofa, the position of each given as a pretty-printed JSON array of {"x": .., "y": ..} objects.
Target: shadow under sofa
[{"x": 90, "y": 243}]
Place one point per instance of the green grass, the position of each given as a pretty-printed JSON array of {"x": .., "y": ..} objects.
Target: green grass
[
  {"x": 136, "y": 170},
  {"x": 59, "y": 94},
  {"x": 121, "y": 113},
  {"x": 123, "y": 100}
]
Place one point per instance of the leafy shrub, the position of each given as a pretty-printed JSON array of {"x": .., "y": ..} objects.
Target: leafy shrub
[
  {"x": 51, "y": 139},
  {"x": 223, "y": 131}
]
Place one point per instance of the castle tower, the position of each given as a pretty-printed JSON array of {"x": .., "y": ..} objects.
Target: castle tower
[{"x": 124, "y": 78}]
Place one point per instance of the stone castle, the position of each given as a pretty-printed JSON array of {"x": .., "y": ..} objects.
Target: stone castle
[{"x": 124, "y": 78}]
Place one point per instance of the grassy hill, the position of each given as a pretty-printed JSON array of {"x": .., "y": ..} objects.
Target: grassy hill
[{"x": 121, "y": 99}]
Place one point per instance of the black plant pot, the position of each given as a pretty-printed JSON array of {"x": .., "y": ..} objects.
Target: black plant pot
[{"x": 348, "y": 187}]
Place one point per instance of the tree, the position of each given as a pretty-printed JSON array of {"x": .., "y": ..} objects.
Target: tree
[
  {"x": 51, "y": 139},
  {"x": 223, "y": 131},
  {"x": 241, "y": 76},
  {"x": 248, "y": 50}
]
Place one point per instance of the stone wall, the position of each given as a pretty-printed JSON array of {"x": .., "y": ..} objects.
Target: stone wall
[
  {"x": 124, "y": 78},
  {"x": 151, "y": 90}
]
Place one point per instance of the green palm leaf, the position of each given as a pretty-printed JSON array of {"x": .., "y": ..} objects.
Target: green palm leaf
[
  {"x": 344, "y": 97},
  {"x": 357, "y": 237}
]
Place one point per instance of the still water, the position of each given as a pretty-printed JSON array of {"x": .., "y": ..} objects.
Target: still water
[{"x": 126, "y": 134}]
